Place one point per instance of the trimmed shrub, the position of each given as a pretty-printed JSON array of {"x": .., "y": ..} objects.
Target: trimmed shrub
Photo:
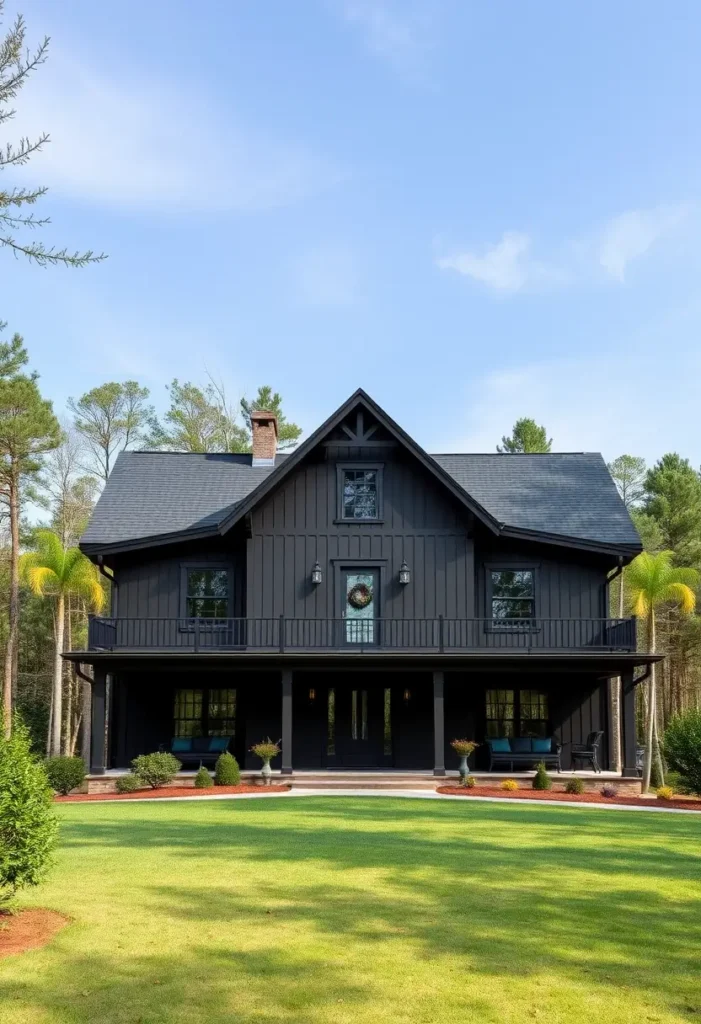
[
  {"x": 510, "y": 785},
  {"x": 678, "y": 783},
  {"x": 157, "y": 769},
  {"x": 469, "y": 782},
  {"x": 203, "y": 780},
  {"x": 574, "y": 786},
  {"x": 226, "y": 770},
  {"x": 665, "y": 793},
  {"x": 28, "y": 825},
  {"x": 65, "y": 773},
  {"x": 128, "y": 783},
  {"x": 541, "y": 779},
  {"x": 608, "y": 790},
  {"x": 682, "y": 748}
]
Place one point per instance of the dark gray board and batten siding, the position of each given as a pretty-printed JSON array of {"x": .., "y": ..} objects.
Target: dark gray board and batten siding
[{"x": 298, "y": 526}]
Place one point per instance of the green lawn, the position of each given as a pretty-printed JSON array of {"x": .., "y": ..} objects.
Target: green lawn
[{"x": 337, "y": 909}]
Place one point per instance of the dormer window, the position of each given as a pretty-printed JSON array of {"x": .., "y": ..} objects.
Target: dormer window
[{"x": 360, "y": 493}]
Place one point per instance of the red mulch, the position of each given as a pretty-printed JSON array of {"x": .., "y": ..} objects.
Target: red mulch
[
  {"x": 688, "y": 803},
  {"x": 169, "y": 791},
  {"x": 28, "y": 929}
]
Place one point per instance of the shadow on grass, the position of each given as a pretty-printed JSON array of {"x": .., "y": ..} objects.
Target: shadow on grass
[{"x": 595, "y": 898}]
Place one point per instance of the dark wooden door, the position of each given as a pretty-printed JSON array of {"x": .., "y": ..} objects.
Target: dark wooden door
[{"x": 356, "y": 724}]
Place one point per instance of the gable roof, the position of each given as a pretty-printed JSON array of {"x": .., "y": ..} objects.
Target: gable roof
[{"x": 161, "y": 497}]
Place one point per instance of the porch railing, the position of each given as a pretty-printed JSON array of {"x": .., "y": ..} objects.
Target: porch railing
[{"x": 283, "y": 634}]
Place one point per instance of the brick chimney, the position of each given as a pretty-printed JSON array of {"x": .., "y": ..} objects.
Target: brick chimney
[{"x": 264, "y": 434}]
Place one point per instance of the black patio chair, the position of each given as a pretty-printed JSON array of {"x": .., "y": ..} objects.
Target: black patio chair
[{"x": 587, "y": 752}]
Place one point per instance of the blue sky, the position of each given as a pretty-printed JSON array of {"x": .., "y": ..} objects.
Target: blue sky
[{"x": 474, "y": 211}]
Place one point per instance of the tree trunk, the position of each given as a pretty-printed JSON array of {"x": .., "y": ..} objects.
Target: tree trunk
[
  {"x": 651, "y": 708},
  {"x": 58, "y": 678},
  {"x": 9, "y": 681},
  {"x": 68, "y": 676}
]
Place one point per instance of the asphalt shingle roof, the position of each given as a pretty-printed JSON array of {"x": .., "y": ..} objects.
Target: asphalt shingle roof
[
  {"x": 155, "y": 493},
  {"x": 568, "y": 494}
]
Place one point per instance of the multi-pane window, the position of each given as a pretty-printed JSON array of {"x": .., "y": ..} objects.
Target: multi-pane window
[
  {"x": 204, "y": 713},
  {"x": 500, "y": 708},
  {"x": 516, "y": 713},
  {"x": 187, "y": 713},
  {"x": 359, "y": 494},
  {"x": 513, "y": 594},
  {"x": 533, "y": 713},
  {"x": 221, "y": 713},
  {"x": 207, "y": 593}
]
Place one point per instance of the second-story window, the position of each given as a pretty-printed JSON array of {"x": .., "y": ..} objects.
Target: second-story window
[
  {"x": 360, "y": 494},
  {"x": 512, "y": 594},
  {"x": 207, "y": 593}
]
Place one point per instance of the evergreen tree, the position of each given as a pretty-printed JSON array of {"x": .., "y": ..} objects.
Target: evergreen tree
[
  {"x": 110, "y": 418},
  {"x": 203, "y": 420},
  {"x": 28, "y": 825},
  {"x": 269, "y": 401},
  {"x": 673, "y": 500},
  {"x": 28, "y": 429},
  {"x": 528, "y": 437},
  {"x": 628, "y": 472},
  {"x": 16, "y": 65}
]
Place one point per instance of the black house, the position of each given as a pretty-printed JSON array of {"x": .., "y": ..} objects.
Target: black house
[{"x": 359, "y": 598}]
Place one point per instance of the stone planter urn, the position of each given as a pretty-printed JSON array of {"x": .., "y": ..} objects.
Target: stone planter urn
[
  {"x": 266, "y": 750},
  {"x": 464, "y": 748}
]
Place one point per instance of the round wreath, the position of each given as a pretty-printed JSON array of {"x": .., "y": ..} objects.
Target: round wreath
[{"x": 360, "y": 595}]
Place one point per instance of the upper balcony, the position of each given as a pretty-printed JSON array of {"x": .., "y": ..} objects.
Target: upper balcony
[{"x": 359, "y": 635}]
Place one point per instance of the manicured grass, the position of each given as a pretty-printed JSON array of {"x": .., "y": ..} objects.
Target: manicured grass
[{"x": 330, "y": 909}]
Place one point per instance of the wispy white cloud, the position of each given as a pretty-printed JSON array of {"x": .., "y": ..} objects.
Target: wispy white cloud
[
  {"x": 400, "y": 33},
  {"x": 630, "y": 235},
  {"x": 136, "y": 142},
  {"x": 585, "y": 417},
  {"x": 327, "y": 275},
  {"x": 509, "y": 266},
  {"x": 506, "y": 267}
]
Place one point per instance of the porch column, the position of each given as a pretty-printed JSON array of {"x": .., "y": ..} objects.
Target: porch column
[
  {"x": 287, "y": 721},
  {"x": 628, "y": 731},
  {"x": 97, "y": 728},
  {"x": 438, "y": 725}
]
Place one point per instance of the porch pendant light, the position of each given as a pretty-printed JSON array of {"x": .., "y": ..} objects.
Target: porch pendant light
[
  {"x": 317, "y": 575},
  {"x": 404, "y": 574}
]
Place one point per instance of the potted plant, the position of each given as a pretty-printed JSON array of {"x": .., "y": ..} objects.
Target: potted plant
[
  {"x": 266, "y": 750},
  {"x": 463, "y": 748}
]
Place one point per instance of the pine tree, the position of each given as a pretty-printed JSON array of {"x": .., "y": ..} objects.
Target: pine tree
[
  {"x": 28, "y": 429},
  {"x": 628, "y": 472},
  {"x": 526, "y": 437},
  {"x": 17, "y": 63}
]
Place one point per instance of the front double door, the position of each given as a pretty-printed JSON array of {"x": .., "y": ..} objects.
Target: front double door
[{"x": 358, "y": 726}]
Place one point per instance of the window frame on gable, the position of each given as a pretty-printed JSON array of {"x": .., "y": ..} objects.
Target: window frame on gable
[{"x": 341, "y": 469}]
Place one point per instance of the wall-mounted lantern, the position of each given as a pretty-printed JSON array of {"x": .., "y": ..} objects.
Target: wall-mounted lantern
[
  {"x": 404, "y": 574},
  {"x": 317, "y": 575},
  {"x": 407, "y": 696},
  {"x": 312, "y": 694}
]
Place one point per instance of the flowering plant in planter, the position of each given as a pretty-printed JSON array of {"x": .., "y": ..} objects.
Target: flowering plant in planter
[
  {"x": 266, "y": 750},
  {"x": 463, "y": 748}
]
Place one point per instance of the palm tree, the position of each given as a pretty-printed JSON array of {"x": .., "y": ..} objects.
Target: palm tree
[
  {"x": 54, "y": 571},
  {"x": 652, "y": 581}
]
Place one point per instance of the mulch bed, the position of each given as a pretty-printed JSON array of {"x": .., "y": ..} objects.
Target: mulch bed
[
  {"x": 684, "y": 803},
  {"x": 29, "y": 929},
  {"x": 169, "y": 791}
]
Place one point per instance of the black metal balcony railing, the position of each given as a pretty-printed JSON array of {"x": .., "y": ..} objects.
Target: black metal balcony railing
[{"x": 283, "y": 634}]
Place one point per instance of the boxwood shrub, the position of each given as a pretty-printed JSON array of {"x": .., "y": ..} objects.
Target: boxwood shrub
[
  {"x": 226, "y": 770},
  {"x": 157, "y": 769},
  {"x": 65, "y": 773},
  {"x": 203, "y": 780}
]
